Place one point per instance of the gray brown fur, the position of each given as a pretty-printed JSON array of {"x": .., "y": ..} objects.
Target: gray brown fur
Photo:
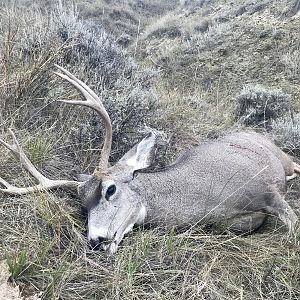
[
  {"x": 241, "y": 174},
  {"x": 235, "y": 181}
]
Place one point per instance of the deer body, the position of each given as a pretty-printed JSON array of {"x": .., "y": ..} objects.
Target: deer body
[
  {"x": 214, "y": 182},
  {"x": 235, "y": 181}
]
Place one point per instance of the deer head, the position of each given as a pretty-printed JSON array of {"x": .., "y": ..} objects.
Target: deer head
[{"x": 113, "y": 207}]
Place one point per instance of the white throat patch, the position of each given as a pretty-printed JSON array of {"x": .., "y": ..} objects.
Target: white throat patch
[{"x": 141, "y": 216}]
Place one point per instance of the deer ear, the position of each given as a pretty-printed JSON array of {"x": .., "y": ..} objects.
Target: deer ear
[{"x": 141, "y": 155}]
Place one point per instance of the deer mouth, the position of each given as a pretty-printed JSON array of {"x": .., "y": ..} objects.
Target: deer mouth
[
  {"x": 110, "y": 243},
  {"x": 110, "y": 247}
]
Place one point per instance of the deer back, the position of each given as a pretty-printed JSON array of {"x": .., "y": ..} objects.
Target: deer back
[{"x": 214, "y": 181}]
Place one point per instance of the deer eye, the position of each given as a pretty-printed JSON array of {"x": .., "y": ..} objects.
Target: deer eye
[{"x": 110, "y": 191}]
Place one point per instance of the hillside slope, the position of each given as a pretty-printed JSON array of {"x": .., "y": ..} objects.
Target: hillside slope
[{"x": 220, "y": 47}]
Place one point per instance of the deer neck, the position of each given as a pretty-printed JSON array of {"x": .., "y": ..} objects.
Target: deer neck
[{"x": 155, "y": 191}]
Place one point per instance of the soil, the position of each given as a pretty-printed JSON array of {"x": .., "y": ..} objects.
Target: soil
[{"x": 7, "y": 290}]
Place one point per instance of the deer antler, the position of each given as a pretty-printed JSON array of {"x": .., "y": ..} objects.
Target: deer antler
[
  {"x": 94, "y": 102},
  {"x": 44, "y": 182}
]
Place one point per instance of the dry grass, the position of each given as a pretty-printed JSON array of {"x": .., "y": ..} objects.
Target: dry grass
[
  {"x": 43, "y": 238},
  {"x": 257, "y": 47},
  {"x": 43, "y": 244}
]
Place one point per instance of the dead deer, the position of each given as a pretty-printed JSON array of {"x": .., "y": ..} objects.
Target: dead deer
[{"x": 236, "y": 180}]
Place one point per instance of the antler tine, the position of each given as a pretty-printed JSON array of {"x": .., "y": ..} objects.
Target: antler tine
[
  {"x": 20, "y": 155},
  {"x": 94, "y": 102},
  {"x": 44, "y": 182}
]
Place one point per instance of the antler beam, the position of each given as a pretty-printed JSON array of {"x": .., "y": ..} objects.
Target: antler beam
[
  {"x": 44, "y": 182},
  {"x": 94, "y": 102}
]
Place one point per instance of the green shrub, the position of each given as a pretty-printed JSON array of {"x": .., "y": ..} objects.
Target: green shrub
[
  {"x": 86, "y": 50},
  {"x": 258, "y": 106},
  {"x": 215, "y": 35},
  {"x": 287, "y": 133}
]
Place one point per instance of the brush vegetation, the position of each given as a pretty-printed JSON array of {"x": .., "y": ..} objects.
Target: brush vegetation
[{"x": 190, "y": 69}]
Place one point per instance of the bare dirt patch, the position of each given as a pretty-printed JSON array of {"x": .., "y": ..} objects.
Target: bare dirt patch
[{"x": 7, "y": 290}]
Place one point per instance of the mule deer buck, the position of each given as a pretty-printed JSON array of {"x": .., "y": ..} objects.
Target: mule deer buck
[{"x": 235, "y": 181}]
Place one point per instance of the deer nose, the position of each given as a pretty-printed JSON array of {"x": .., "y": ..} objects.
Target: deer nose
[{"x": 97, "y": 243}]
